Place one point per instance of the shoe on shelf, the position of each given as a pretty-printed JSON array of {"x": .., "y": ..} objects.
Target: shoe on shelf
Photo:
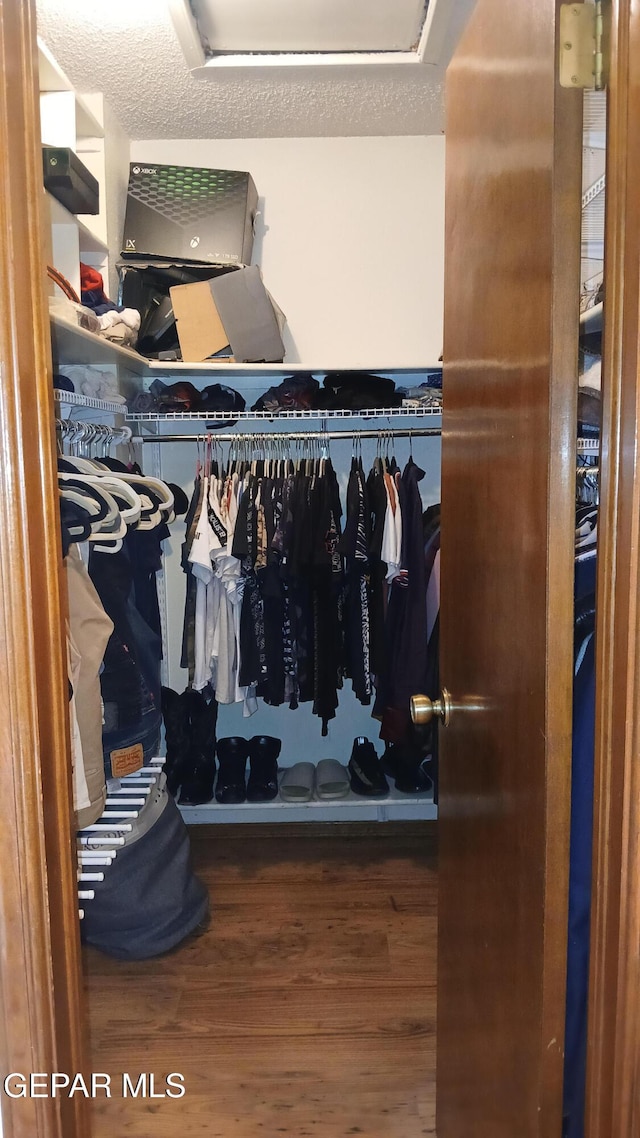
[
  {"x": 231, "y": 787},
  {"x": 332, "y": 780},
  {"x": 408, "y": 768},
  {"x": 200, "y": 772},
  {"x": 365, "y": 770},
  {"x": 263, "y": 768},
  {"x": 297, "y": 783},
  {"x": 175, "y": 714}
]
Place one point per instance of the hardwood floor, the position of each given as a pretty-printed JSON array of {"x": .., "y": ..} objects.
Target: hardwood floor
[{"x": 307, "y": 1009}]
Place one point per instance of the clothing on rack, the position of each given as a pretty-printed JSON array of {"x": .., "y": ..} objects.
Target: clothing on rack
[
  {"x": 263, "y": 585},
  {"x": 114, "y": 520},
  {"x": 89, "y": 632},
  {"x": 355, "y": 546},
  {"x": 119, "y": 517},
  {"x": 283, "y": 604},
  {"x": 428, "y": 738},
  {"x": 411, "y": 755},
  {"x": 405, "y": 670},
  {"x": 130, "y": 679},
  {"x": 212, "y": 625}
]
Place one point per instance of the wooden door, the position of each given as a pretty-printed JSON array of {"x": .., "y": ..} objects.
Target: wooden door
[
  {"x": 613, "y": 1077},
  {"x": 41, "y": 1005},
  {"x": 508, "y": 498}
]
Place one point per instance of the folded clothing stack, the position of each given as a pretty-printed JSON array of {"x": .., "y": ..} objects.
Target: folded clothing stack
[
  {"x": 85, "y": 379},
  {"x": 342, "y": 391},
  {"x": 117, "y": 324},
  {"x": 173, "y": 398},
  {"x": 358, "y": 391},
  {"x": 295, "y": 393},
  {"x": 425, "y": 395}
]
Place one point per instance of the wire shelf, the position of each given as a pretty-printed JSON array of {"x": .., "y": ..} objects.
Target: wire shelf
[
  {"x": 588, "y": 446},
  {"x": 594, "y": 191},
  {"x": 270, "y": 416},
  {"x": 74, "y": 399}
]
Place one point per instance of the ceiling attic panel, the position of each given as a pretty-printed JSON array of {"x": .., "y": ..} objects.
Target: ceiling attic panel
[{"x": 310, "y": 25}]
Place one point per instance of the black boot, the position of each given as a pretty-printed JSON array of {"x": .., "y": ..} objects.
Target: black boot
[
  {"x": 176, "y": 730},
  {"x": 198, "y": 779},
  {"x": 263, "y": 777},
  {"x": 232, "y": 757},
  {"x": 408, "y": 768}
]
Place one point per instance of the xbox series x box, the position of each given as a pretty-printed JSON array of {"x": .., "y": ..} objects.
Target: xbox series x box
[{"x": 187, "y": 213}]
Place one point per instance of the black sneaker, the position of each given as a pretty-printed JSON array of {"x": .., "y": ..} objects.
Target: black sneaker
[
  {"x": 365, "y": 770},
  {"x": 408, "y": 769}
]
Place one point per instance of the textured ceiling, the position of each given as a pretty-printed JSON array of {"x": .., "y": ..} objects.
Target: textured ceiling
[{"x": 128, "y": 49}]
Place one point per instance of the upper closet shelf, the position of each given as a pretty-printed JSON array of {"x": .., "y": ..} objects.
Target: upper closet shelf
[
  {"x": 89, "y": 241},
  {"x": 75, "y": 345},
  {"x": 156, "y": 368},
  {"x": 53, "y": 79}
]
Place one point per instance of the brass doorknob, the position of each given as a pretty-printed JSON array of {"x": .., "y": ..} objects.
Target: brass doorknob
[{"x": 424, "y": 709}]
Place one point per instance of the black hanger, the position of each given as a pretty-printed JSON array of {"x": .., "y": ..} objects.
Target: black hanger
[
  {"x": 74, "y": 520},
  {"x": 90, "y": 492}
]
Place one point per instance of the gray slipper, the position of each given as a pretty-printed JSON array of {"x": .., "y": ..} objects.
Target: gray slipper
[
  {"x": 332, "y": 779},
  {"x": 297, "y": 783}
]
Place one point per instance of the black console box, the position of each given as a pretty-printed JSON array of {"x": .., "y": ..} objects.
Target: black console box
[
  {"x": 69, "y": 181},
  {"x": 189, "y": 213}
]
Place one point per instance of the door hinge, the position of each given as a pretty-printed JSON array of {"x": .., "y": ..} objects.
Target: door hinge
[{"x": 581, "y": 46}]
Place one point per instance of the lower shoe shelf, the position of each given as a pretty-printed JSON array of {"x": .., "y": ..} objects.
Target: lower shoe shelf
[{"x": 394, "y": 807}]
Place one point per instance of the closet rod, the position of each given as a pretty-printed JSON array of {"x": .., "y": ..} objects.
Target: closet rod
[{"x": 383, "y": 433}]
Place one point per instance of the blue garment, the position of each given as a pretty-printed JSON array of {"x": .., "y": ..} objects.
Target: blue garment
[
  {"x": 130, "y": 679},
  {"x": 95, "y": 299},
  {"x": 582, "y": 787}
]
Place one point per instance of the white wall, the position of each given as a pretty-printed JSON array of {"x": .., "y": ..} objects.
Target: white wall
[
  {"x": 116, "y": 146},
  {"x": 351, "y": 240}
]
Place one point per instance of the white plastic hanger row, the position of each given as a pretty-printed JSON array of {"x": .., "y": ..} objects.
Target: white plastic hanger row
[{"x": 112, "y": 501}]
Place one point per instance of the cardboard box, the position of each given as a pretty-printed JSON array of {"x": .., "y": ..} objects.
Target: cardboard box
[
  {"x": 145, "y": 285},
  {"x": 188, "y": 213},
  {"x": 200, "y": 330},
  {"x": 235, "y": 310}
]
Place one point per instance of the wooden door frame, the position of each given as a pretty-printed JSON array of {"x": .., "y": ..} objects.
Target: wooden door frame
[
  {"x": 41, "y": 999},
  {"x": 613, "y": 1080}
]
